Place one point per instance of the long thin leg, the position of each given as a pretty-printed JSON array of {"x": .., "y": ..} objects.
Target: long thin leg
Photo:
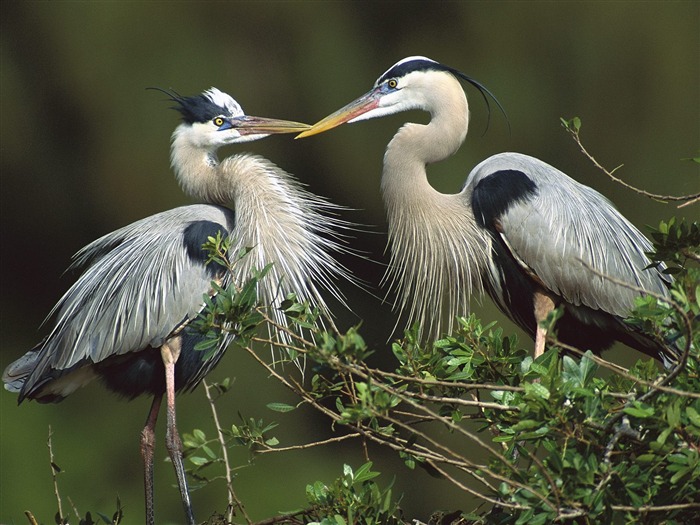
[
  {"x": 148, "y": 445},
  {"x": 543, "y": 305},
  {"x": 169, "y": 352}
]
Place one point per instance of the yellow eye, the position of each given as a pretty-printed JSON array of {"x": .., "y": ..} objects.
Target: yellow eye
[
  {"x": 392, "y": 83},
  {"x": 218, "y": 121}
]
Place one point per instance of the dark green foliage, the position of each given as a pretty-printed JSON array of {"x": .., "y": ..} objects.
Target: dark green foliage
[
  {"x": 228, "y": 309},
  {"x": 676, "y": 243},
  {"x": 567, "y": 437},
  {"x": 352, "y": 499}
]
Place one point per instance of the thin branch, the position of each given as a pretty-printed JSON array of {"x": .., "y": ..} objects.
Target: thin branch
[
  {"x": 364, "y": 374},
  {"x": 654, "y": 508},
  {"x": 54, "y": 469},
  {"x": 386, "y": 440},
  {"x": 690, "y": 255},
  {"x": 30, "y": 517},
  {"x": 690, "y": 198},
  {"x": 310, "y": 445},
  {"x": 690, "y": 202},
  {"x": 460, "y": 401},
  {"x": 452, "y": 384},
  {"x": 471, "y": 491},
  {"x": 448, "y": 422},
  {"x": 75, "y": 509},
  {"x": 470, "y": 466},
  {"x": 621, "y": 371},
  {"x": 233, "y": 501}
]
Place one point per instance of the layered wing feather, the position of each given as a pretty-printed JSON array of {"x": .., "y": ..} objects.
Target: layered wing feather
[
  {"x": 556, "y": 226},
  {"x": 139, "y": 284}
]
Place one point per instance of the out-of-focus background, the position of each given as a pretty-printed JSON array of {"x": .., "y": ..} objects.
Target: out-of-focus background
[{"x": 84, "y": 150}]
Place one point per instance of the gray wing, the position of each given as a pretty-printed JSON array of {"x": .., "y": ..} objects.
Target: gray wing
[
  {"x": 555, "y": 223},
  {"x": 140, "y": 283}
]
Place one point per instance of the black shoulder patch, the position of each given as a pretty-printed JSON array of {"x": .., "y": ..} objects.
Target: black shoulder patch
[
  {"x": 496, "y": 193},
  {"x": 194, "y": 236}
]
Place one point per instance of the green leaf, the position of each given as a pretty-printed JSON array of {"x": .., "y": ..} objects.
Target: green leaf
[
  {"x": 663, "y": 436},
  {"x": 573, "y": 124},
  {"x": 209, "y": 452},
  {"x": 503, "y": 438},
  {"x": 681, "y": 473},
  {"x": 673, "y": 414},
  {"x": 281, "y": 407},
  {"x": 364, "y": 473},
  {"x": 537, "y": 390},
  {"x": 526, "y": 425},
  {"x": 692, "y": 414},
  {"x": 199, "y": 461},
  {"x": 639, "y": 410}
]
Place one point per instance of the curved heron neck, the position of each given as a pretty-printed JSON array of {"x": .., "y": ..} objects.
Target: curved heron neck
[
  {"x": 239, "y": 177},
  {"x": 437, "y": 251},
  {"x": 416, "y": 145},
  {"x": 274, "y": 215},
  {"x": 261, "y": 193}
]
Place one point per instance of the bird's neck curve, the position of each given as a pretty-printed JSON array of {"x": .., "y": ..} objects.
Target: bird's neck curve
[
  {"x": 197, "y": 169},
  {"x": 416, "y": 145},
  {"x": 282, "y": 223},
  {"x": 437, "y": 250},
  {"x": 249, "y": 184}
]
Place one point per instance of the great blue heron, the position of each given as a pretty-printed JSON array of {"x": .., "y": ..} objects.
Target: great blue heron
[
  {"x": 519, "y": 228},
  {"x": 122, "y": 321}
]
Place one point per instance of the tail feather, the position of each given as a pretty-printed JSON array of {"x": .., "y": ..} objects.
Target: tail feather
[{"x": 17, "y": 372}]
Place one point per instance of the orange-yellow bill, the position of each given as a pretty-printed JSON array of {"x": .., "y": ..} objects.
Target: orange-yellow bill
[
  {"x": 353, "y": 110},
  {"x": 248, "y": 125}
]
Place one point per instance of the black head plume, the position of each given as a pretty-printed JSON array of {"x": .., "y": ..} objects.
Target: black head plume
[{"x": 204, "y": 107}]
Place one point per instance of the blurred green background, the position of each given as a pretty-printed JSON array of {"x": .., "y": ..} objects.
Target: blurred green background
[{"x": 84, "y": 150}]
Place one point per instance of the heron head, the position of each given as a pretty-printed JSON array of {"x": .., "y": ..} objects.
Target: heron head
[
  {"x": 411, "y": 83},
  {"x": 214, "y": 119}
]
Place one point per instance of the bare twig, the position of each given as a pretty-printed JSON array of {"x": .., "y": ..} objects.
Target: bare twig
[
  {"x": 460, "y": 401},
  {"x": 54, "y": 469},
  {"x": 690, "y": 198},
  {"x": 74, "y": 507},
  {"x": 471, "y": 491},
  {"x": 233, "y": 501},
  {"x": 451, "y": 384},
  {"x": 30, "y": 517},
  {"x": 311, "y": 445},
  {"x": 285, "y": 519},
  {"x": 656, "y": 508},
  {"x": 690, "y": 202}
]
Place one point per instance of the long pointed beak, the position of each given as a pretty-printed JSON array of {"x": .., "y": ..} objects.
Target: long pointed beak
[
  {"x": 249, "y": 125},
  {"x": 356, "y": 108}
]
